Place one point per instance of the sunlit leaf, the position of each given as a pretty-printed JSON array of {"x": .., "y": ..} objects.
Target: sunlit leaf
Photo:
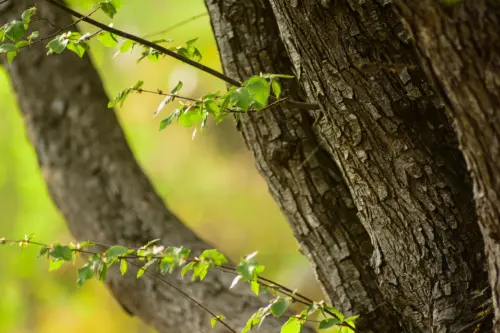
[
  {"x": 116, "y": 251},
  {"x": 123, "y": 266},
  {"x": 279, "y": 307},
  {"x": 293, "y": 325}
]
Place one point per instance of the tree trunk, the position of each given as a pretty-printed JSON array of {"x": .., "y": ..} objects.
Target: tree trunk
[
  {"x": 459, "y": 49},
  {"x": 384, "y": 128},
  {"x": 100, "y": 189},
  {"x": 302, "y": 178}
]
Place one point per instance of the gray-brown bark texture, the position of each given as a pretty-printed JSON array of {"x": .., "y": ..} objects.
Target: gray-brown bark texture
[
  {"x": 302, "y": 178},
  {"x": 100, "y": 189},
  {"x": 459, "y": 49},
  {"x": 386, "y": 131}
]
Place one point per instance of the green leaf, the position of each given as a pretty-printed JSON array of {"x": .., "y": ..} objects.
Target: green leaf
[
  {"x": 279, "y": 307},
  {"x": 188, "y": 268},
  {"x": 120, "y": 98},
  {"x": 335, "y": 311},
  {"x": 293, "y": 325},
  {"x": 26, "y": 16},
  {"x": 11, "y": 56},
  {"x": 352, "y": 318},
  {"x": 214, "y": 256},
  {"x": 241, "y": 98},
  {"x": 22, "y": 43},
  {"x": 214, "y": 320},
  {"x": 123, "y": 266},
  {"x": 57, "y": 45},
  {"x": 55, "y": 265},
  {"x": 43, "y": 251},
  {"x": 78, "y": 48},
  {"x": 276, "y": 88},
  {"x": 34, "y": 35},
  {"x": 255, "y": 287},
  {"x": 83, "y": 245},
  {"x": 201, "y": 271},
  {"x": 260, "y": 90},
  {"x": 108, "y": 39},
  {"x": 15, "y": 31},
  {"x": 85, "y": 273},
  {"x": 5, "y": 48},
  {"x": 212, "y": 107},
  {"x": 190, "y": 117},
  {"x": 167, "y": 121},
  {"x": 108, "y": 8},
  {"x": 126, "y": 46},
  {"x": 169, "y": 98},
  {"x": 327, "y": 323},
  {"x": 59, "y": 252},
  {"x": 116, "y": 251}
]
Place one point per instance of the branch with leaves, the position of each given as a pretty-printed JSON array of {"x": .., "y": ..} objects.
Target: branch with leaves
[
  {"x": 158, "y": 261},
  {"x": 249, "y": 96}
]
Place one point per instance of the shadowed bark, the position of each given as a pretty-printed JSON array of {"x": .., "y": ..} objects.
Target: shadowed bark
[
  {"x": 386, "y": 130},
  {"x": 459, "y": 47},
  {"x": 100, "y": 189}
]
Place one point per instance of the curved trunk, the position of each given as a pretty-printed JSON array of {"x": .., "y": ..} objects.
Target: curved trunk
[
  {"x": 385, "y": 129},
  {"x": 302, "y": 178},
  {"x": 100, "y": 189},
  {"x": 459, "y": 49}
]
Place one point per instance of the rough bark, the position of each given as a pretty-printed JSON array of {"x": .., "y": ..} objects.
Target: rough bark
[
  {"x": 385, "y": 129},
  {"x": 302, "y": 178},
  {"x": 100, "y": 189},
  {"x": 459, "y": 49}
]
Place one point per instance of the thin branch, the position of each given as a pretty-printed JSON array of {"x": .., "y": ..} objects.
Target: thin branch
[
  {"x": 142, "y": 41},
  {"x": 146, "y": 43},
  {"x": 224, "y": 268},
  {"x": 174, "y": 26},
  {"x": 161, "y": 278}
]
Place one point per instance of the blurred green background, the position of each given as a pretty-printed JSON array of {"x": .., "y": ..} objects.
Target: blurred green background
[{"x": 211, "y": 183}]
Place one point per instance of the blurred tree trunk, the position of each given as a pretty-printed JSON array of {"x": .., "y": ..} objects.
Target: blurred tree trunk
[
  {"x": 380, "y": 147},
  {"x": 459, "y": 47},
  {"x": 103, "y": 194}
]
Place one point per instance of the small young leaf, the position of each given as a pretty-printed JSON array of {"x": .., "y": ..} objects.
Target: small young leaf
[
  {"x": 11, "y": 56},
  {"x": 188, "y": 268},
  {"x": 26, "y": 16},
  {"x": 116, "y": 251},
  {"x": 78, "y": 48},
  {"x": 259, "y": 89},
  {"x": 255, "y": 287},
  {"x": 59, "y": 252},
  {"x": 235, "y": 281},
  {"x": 5, "y": 48},
  {"x": 327, "y": 323},
  {"x": 123, "y": 266},
  {"x": 55, "y": 265},
  {"x": 169, "y": 98},
  {"x": 126, "y": 46},
  {"x": 293, "y": 325},
  {"x": 57, "y": 45},
  {"x": 241, "y": 98},
  {"x": 212, "y": 107},
  {"x": 34, "y": 35},
  {"x": 214, "y": 256},
  {"x": 276, "y": 88},
  {"x": 15, "y": 31},
  {"x": 108, "y": 8},
  {"x": 85, "y": 273},
  {"x": 279, "y": 307},
  {"x": 108, "y": 39},
  {"x": 189, "y": 117},
  {"x": 43, "y": 251},
  {"x": 214, "y": 320}
]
